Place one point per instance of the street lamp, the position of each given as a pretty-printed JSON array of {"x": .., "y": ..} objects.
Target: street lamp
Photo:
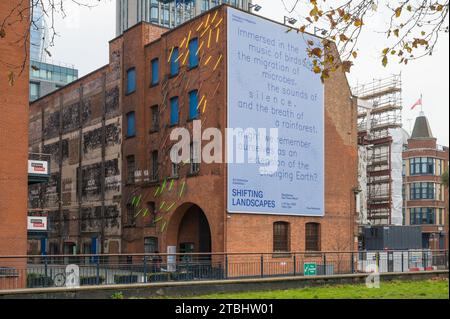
[
  {"x": 255, "y": 7},
  {"x": 291, "y": 21}
]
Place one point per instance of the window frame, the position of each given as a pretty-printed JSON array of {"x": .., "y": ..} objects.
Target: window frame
[
  {"x": 281, "y": 238},
  {"x": 154, "y": 110},
  {"x": 128, "y": 115},
  {"x": 193, "y": 107},
  {"x": 171, "y": 102},
  {"x": 193, "y": 56},
  {"x": 132, "y": 69},
  {"x": 131, "y": 179},
  {"x": 152, "y": 74},
  {"x": 313, "y": 235},
  {"x": 174, "y": 62}
]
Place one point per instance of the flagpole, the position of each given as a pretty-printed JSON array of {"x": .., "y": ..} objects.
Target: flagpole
[{"x": 421, "y": 103}]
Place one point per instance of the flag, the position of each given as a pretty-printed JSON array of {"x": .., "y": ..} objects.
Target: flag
[{"x": 419, "y": 102}]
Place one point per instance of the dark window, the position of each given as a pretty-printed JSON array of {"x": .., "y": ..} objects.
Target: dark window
[
  {"x": 150, "y": 245},
  {"x": 155, "y": 165},
  {"x": 155, "y": 118},
  {"x": 174, "y": 111},
  {"x": 421, "y": 166},
  {"x": 312, "y": 237},
  {"x": 131, "y": 80},
  {"x": 131, "y": 167},
  {"x": 155, "y": 71},
  {"x": 422, "y": 216},
  {"x": 193, "y": 104},
  {"x": 131, "y": 217},
  {"x": 149, "y": 219},
  {"x": 194, "y": 159},
  {"x": 131, "y": 124},
  {"x": 193, "y": 57},
  {"x": 174, "y": 63},
  {"x": 281, "y": 241},
  {"x": 422, "y": 191}
]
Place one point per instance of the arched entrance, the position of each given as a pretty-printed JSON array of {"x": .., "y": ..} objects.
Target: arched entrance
[
  {"x": 194, "y": 235},
  {"x": 189, "y": 230}
]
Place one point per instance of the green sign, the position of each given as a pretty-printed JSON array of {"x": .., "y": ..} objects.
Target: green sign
[{"x": 310, "y": 269}]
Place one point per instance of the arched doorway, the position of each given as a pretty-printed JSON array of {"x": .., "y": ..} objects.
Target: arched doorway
[
  {"x": 189, "y": 230},
  {"x": 194, "y": 234}
]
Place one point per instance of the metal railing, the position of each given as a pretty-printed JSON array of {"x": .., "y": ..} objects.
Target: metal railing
[{"x": 18, "y": 272}]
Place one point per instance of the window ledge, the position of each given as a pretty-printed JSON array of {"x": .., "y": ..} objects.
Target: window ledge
[{"x": 152, "y": 85}]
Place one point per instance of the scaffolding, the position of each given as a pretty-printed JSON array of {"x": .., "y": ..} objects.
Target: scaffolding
[{"x": 375, "y": 136}]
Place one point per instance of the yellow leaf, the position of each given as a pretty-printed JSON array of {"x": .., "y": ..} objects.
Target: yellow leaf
[
  {"x": 302, "y": 29},
  {"x": 317, "y": 52},
  {"x": 355, "y": 54},
  {"x": 343, "y": 37},
  {"x": 384, "y": 61},
  {"x": 317, "y": 69},
  {"x": 385, "y": 51},
  {"x": 398, "y": 12},
  {"x": 396, "y": 31},
  {"x": 358, "y": 23},
  {"x": 2, "y": 33}
]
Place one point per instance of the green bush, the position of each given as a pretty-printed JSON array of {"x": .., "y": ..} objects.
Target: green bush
[
  {"x": 35, "y": 280},
  {"x": 117, "y": 295}
]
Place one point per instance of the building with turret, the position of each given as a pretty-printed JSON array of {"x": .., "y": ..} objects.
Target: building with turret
[{"x": 425, "y": 196}]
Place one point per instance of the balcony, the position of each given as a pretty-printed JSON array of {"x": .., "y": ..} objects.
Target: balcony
[{"x": 38, "y": 168}]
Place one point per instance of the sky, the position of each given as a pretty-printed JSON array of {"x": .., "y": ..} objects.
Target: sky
[{"x": 84, "y": 34}]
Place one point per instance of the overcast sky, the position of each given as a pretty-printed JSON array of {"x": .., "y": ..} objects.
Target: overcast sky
[{"x": 84, "y": 35}]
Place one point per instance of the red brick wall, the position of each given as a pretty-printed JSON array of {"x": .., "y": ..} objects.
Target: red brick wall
[
  {"x": 230, "y": 232},
  {"x": 13, "y": 135}
]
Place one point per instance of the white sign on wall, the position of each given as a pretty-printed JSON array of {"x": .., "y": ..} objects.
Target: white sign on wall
[
  {"x": 37, "y": 223},
  {"x": 271, "y": 85},
  {"x": 37, "y": 167}
]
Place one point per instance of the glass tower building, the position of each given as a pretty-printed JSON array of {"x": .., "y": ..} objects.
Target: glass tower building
[
  {"x": 166, "y": 13},
  {"x": 45, "y": 77}
]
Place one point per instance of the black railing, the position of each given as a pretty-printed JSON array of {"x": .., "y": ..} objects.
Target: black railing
[{"x": 57, "y": 270}]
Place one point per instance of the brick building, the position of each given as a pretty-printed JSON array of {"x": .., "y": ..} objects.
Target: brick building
[
  {"x": 425, "y": 197},
  {"x": 185, "y": 206},
  {"x": 80, "y": 127},
  {"x": 13, "y": 135}
]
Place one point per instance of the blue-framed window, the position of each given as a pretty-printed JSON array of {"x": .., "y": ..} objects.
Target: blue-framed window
[
  {"x": 174, "y": 64},
  {"x": 131, "y": 80},
  {"x": 422, "y": 216},
  {"x": 155, "y": 71},
  {"x": 422, "y": 191},
  {"x": 193, "y": 57},
  {"x": 193, "y": 104},
  {"x": 131, "y": 124},
  {"x": 174, "y": 111},
  {"x": 421, "y": 166}
]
